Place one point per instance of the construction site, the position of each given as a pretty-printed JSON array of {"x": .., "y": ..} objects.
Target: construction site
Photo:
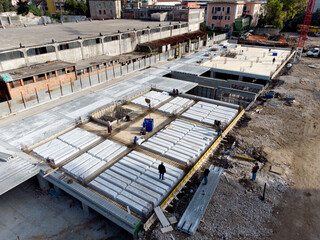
[{"x": 81, "y": 159}]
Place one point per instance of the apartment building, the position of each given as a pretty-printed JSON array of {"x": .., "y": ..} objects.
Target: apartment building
[
  {"x": 223, "y": 13},
  {"x": 101, "y": 9}
]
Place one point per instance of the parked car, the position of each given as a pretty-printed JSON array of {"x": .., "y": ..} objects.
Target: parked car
[{"x": 314, "y": 53}]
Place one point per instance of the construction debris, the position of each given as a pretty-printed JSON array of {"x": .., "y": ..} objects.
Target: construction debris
[{"x": 276, "y": 170}]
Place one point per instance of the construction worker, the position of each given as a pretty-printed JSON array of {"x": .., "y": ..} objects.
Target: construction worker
[
  {"x": 218, "y": 127},
  {"x": 254, "y": 171},
  {"x": 205, "y": 174},
  {"x": 109, "y": 126},
  {"x": 162, "y": 170}
]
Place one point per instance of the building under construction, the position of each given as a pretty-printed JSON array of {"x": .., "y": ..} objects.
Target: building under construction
[{"x": 115, "y": 173}]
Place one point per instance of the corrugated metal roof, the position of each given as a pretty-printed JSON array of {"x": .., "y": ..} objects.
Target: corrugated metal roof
[
  {"x": 171, "y": 40},
  {"x": 38, "y": 69},
  {"x": 15, "y": 172}
]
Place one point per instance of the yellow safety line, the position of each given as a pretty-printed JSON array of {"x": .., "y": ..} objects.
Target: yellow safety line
[{"x": 182, "y": 183}]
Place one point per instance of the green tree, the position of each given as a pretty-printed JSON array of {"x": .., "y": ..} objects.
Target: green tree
[
  {"x": 81, "y": 8},
  {"x": 24, "y": 8},
  {"x": 275, "y": 15},
  {"x": 70, "y": 6},
  {"x": 315, "y": 21},
  {"x": 33, "y": 9},
  {"x": 281, "y": 12},
  {"x": 5, "y": 6}
]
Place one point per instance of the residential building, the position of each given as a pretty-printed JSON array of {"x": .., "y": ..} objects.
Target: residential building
[
  {"x": 190, "y": 5},
  {"x": 222, "y": 14},
  {"x": 57, "y": 6},
  {"x": 102, "y": 9}
]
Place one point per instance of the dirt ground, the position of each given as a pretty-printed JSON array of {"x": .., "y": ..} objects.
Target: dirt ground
[{"x": 276, "y": 134}]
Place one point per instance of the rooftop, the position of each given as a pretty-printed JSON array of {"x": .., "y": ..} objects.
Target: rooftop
[
  {"x": 255, "y": 62},
  {"x": 37, "y": 35},
  {"x": 38, "y": 69}
]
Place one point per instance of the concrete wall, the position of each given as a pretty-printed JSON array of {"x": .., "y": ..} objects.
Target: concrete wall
[
  {"x": 213, "y": 82},
  {"x": 112, "y": 48},
  {"x": 67, "y": 84}
]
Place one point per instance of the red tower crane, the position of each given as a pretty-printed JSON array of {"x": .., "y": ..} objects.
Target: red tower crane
[{"x": 305, "y": 28}]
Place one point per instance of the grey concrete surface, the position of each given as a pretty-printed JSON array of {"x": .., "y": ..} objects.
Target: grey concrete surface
[
  {"x": 29, "y": 213},
  {"x": 40, "y": 34}
]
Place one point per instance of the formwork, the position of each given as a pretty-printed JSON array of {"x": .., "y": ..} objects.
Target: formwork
[{"x": 126, "y": 175}]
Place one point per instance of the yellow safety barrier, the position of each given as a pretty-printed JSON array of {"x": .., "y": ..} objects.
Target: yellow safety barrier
[{"x": 183, "y": 182}]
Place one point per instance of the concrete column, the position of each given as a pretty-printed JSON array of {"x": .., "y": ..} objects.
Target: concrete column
[
  {"x": 189, "y": 45},
  {"x": 85, "y": 208},
  {"x": 206, "y": 39},
  {"x": 199, "y": 39},
  {"x": 120, "y": 43},
  {"x": 240, "y": 78},
  {"x": 25, "y": 56},
  {"x": 102, "y": 45},
  {"x": 56, "y": 189},
  {"x": 56, "y": 50},
  {"x": 9, "y": 20},
  {"x": 43, "y": 183},
  {"x": 212, "y": 74},
  {"x": 82, "y": 54}
]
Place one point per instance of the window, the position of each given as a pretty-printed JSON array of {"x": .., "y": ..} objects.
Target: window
[
  {"x": 111, "y": 38},
  {"x": 80, "y": 72},
  {"x": 212, "y": 25},
  {"x": 166, "y": 28},
  {"x": 99, "y": 4},
  {"x": 223, "y": 9},
  {"x": 95, "y": 68},
  {"x": 217, "y": 17},
  {"x": 228, "y": 10},
  {"x": 124, "y": 36},
  {"x": 88, "y": 70},
  {"x": 245, "y": 9},
  {"x": 40, "y": 77},
  {"x": 28, "y": 80},
  {"x": 154, "y": 30},
  {"x": 176, "y": 26},
  {"x": 104, "y": 4},
  {"x": 16, "y": 83},
  {"x": 104, "y": 12},
  {"x": 227, "y": 18},
  {"x": 62, "y": 47},
  {"x": 216, "y": 9},
  {"x": 41, "y": 50},
  {"x": 99, "y": 12},
  {"x": 61, "y": 72},
  {"x": 103, "y": 66},
  {"x": 51, "y": 74},
  {"x": 91, "y": 42},
  {"x": 110, "y": 4},
  {"x": 11, "y": 55},
  {"x": 226, "y": 25},
  {"x": 184, "y": 25}
]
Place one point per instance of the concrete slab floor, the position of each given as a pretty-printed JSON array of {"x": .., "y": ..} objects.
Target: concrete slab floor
[
  {"x": 29, "y": 213},
  {"x": 253, "y": 60},
  {"x": 127, "y": 135},
  {"x": 29, "y": 36}
]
